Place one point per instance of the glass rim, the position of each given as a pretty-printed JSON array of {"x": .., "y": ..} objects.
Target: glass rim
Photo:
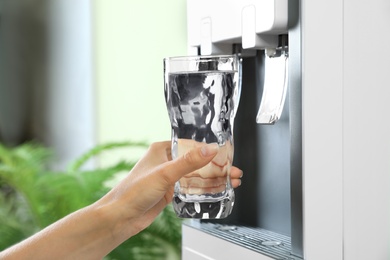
[{"x": 200, "y": 57}]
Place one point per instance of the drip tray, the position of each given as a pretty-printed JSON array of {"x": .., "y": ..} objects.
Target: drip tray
[{"x": 263, "y": 241}]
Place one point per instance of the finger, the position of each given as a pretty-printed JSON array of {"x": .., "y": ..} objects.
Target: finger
[
  {"x": 235, "y": 176},
  {"x": 163, "y": 148},
  {"x": 192, "y": 160},
  {"x": 236, "y": 183},
  {"x": 235, "y": 173}
]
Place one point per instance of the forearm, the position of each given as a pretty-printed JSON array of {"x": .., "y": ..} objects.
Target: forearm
[
  {"x": 89, "y": 233},
  {"x": 132, "y": 205}
]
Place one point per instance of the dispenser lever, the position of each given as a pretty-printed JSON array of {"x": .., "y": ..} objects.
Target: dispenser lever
[{"x": 275, "y": 86}]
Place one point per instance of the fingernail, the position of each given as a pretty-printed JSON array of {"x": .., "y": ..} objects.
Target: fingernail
[{"x": 209, "y": 149}]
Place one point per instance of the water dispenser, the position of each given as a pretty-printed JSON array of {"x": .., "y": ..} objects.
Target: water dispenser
[{"x": 267, "y": 217}]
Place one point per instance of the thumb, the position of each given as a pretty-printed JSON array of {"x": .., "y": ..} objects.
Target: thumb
[{"x": 192, "y": 160}]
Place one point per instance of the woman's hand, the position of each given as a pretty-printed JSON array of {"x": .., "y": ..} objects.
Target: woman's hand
[
  {"x": 94, "y": 231},
  {"x": 148, "y": 188}
]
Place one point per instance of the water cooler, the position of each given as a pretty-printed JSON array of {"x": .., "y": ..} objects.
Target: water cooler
[{"x": 307, "y": 192}]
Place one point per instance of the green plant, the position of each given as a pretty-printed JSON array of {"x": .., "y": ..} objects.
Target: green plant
[{"x": 32, "y": 197}]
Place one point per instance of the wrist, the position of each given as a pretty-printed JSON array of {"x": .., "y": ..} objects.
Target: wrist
[{"x": 114, "y": 217}]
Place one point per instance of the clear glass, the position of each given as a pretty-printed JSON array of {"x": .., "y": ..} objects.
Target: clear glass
[{"x": 202, "y": 95}]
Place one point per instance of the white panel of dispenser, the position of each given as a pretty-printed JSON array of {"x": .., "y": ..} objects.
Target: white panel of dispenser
[{"x": 215, "y": 23}]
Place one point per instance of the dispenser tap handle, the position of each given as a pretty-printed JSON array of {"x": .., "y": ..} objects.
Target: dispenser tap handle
[{"x": 275, "y": 86}]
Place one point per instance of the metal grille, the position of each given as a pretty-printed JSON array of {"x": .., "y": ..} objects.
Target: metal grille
[{"x": 263, "y": 241}]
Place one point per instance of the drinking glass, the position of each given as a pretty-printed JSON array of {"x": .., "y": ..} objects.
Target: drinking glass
[{"x": 202, "y": 95}]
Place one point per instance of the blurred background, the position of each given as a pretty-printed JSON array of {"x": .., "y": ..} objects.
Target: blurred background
[
  {"x": 79, "y": 78},
  {"x": 77, "y": 73}
]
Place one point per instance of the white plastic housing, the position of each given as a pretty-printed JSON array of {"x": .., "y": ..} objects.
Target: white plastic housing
[{"x": 214, "y": 25}]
